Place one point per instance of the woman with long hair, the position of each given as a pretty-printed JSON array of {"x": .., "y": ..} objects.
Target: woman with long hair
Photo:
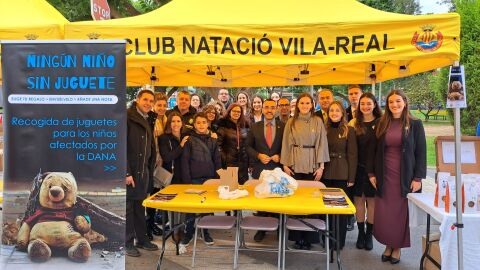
[
  {"x": 232, "y": 135},
  {"x": 342, "y": 148},
  {"x": 400, "y": 166},
  {"x": 243, "y": 100},
  {"x": 219, "y": 107},
  {"x": 304, "y": 152},
  {"x": 256, "y": 114},
  {"x": 366, "y": 118}
]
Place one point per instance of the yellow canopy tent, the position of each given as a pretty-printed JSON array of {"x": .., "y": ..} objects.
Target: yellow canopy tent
[
  {"x": 276, "y": 42},
  {"x": 30, "y": 19}
]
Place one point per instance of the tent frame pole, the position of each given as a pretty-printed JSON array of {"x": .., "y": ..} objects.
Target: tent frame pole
[{"x": 458, "y": 181}]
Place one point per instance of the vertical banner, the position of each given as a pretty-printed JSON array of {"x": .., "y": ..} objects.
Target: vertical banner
[
  {"x": 457, "y": 93},
  {"x": 65, "y": 155}
]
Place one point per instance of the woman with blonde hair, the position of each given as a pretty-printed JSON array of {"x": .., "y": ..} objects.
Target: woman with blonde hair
[{"x": 342, "y": 148}]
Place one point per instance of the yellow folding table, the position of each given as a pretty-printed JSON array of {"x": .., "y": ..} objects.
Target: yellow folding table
[{"x": 305, "y": 201}]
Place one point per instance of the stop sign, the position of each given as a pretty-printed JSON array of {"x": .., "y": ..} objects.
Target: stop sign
[{"x": 100, "y": 10}]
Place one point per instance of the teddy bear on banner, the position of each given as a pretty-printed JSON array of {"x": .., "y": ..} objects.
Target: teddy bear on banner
[
  {"x": 52, "y": 222},
  {"x": 455, "y": 91}
]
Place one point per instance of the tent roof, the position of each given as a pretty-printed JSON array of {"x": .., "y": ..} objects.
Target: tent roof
[
  {"x": 357, "y": 40},
  {"x": 30, "y": 19}
]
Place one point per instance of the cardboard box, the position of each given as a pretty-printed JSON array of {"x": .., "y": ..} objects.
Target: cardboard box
[{"x": 434, "y": 251}]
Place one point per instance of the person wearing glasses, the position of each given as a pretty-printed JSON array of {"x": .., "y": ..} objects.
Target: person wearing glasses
[
  {"x": 212, "y": 117},
  {"x": 232, "y": 135},
  {"x": 284, "y": 108}
]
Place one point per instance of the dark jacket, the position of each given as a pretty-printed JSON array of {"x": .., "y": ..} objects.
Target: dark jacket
[
  {"x": 343, "y": 155},
  {"x": 413, "y": 162},
  {"x": 232, "y": 150},
  {"x": 200, "y": 158},
  {"x": 349, "y": 113},
  {"x": 187, "y": 118},
  {"x": 319, "y": 113},
  {"x": 366, "y": 144},
  {"x": 256, "y": 143},
  {"x": 171, "y": 153},
  {"x": 140, "y": 154}
]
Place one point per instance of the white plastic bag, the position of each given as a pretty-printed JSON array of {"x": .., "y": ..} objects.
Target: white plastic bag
[{"x": 275, "y": 183}]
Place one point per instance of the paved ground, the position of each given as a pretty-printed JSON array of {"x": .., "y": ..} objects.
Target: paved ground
[
  {"x": 222, "y": 259},
  {"x": 352, "y": 258}
]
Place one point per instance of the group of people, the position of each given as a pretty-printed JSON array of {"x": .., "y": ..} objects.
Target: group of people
[{"x": 377, "y": 158}]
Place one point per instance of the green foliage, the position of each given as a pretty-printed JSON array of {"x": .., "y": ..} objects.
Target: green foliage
[
  {"x": 419, "y": 88},
  {"x": 469, "y": 11},
  {"x": 396, "y": 6},
  {"x": 79, "y": 10},
  {"x": 148, "y": 5},
  {"x": 73, "y": 10}
]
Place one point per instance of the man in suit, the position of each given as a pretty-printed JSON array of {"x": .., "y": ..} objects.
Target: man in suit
[
  {"x": 139, "y": 176},
  {"x": 264, "y": 144},
  {"x": 325, "y": 98},
  {"x": 354, "y": 93}
]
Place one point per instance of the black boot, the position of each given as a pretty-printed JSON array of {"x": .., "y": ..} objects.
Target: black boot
[
  {"x": 149, "y": 232},
  {"x": 368, "y": 237},
  {"x": 361, "y": 235}
]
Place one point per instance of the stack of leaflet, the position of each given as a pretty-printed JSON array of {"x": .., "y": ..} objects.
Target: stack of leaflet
[
  {"x": 163, "y": 197},
  {"x": 334, "y": 198}
]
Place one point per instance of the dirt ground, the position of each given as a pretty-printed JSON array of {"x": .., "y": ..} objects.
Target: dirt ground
[{"x": 439, "y": 130}]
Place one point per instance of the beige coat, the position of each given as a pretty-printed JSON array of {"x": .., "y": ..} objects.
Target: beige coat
[{"x": 307, "y": 131}]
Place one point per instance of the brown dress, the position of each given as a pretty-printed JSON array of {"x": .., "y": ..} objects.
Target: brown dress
[{"x": 391, "y": 210}]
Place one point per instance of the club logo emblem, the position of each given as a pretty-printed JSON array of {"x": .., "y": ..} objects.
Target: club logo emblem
[{"x": 428, "y": 41}]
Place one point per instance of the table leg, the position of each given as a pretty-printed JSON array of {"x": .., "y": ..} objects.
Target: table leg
[
  {"x": 427, "y": 248},
  {"x": 164, "y": 239},
  {"x": 327, "y": 241},
  {"x": 280, "y": 242},
  {"x": 237, "y": 238},
  {"x": 337, "y": 240}
]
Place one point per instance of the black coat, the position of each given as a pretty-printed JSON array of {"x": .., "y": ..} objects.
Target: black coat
[
  {"x": 343, "y": 155},
  {"x": 256, "y": 144},
  {"x": 200, "y": 158},
  {"x": 232, "y": 154},
  {"x": 349, "y": 113},
  {"x": 171, "y": 153},
  {"x": 319, "y": 113},
  {"x": 413, "y": 163},
  {"x": 141, "y": 155}
]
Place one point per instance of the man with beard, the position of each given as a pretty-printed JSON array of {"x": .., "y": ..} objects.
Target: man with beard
[{"x": 264, "y": 144}]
